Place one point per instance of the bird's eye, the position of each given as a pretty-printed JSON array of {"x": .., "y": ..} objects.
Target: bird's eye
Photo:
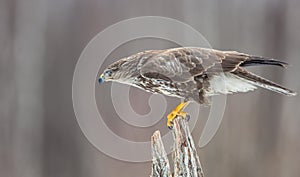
[{"x": 109, "y": 73}]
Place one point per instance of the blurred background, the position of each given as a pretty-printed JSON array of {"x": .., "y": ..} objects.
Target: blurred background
[{"x": 41, "y": 41}]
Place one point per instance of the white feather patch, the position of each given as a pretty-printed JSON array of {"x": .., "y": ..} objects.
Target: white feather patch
[{"x": 227, "y": 83}]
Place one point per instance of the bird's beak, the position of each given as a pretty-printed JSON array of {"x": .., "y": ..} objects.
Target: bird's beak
[{"x": 101, "y": 79}]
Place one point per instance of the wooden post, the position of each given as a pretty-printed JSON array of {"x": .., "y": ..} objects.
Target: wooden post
[
  {"x": 184, "y": 155},
  {"x": 160, "y": 162}
]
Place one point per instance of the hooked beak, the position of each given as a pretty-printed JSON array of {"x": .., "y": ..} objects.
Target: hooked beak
[{"x": 101, "y": 79}]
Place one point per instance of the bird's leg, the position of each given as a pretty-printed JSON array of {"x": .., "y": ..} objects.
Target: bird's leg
[{"x": 178, "y": 111}]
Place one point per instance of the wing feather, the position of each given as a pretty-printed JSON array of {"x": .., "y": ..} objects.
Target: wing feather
[
  {"x": 180, "y": 64},
  {"x": 183, "y": 64}
]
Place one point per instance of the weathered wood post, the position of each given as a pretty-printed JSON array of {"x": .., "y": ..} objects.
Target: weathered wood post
[{"x": 184, "y": 155}]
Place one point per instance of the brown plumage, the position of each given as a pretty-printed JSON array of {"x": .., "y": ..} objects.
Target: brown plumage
[{"x": 192, "y": 73}]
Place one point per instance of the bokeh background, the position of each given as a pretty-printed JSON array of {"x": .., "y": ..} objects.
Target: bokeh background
[{"x": 41, "y": 41}]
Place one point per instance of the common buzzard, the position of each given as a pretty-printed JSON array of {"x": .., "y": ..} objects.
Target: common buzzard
[{"x": 191, "y": 73}]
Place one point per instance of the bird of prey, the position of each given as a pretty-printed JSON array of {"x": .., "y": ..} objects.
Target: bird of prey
[{"x": 191, "y": 73}]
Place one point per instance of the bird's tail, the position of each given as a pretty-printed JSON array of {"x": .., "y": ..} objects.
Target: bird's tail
[
  {"x": 262, "y": 82},
  {"x": 257, "y": 60}
]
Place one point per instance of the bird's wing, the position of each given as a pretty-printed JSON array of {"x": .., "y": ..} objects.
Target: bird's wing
[
  {"x": 228, "y": 61},
  {"x": 182, "y": 64},
  {"x": 166, "y": 65}
]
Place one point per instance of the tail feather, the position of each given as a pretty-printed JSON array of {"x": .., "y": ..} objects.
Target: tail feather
[
  {"x": 255, "y": 60},
  {"x": 262, "y": 82}
]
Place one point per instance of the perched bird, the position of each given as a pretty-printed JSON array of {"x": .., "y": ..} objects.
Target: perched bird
[{"x": 191, "y": 73}]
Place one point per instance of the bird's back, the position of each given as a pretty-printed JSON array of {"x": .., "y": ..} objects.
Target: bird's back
[{"x": 196, "y": 73}]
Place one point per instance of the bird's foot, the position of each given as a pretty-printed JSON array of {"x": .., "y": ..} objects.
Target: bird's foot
[{"x": 177, "y": 112}]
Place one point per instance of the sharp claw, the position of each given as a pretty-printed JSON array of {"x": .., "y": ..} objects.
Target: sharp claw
[
  {"x": 170, "y": 125},
  {"x": 188, "y": 117},
  {"x": 178, "y": 112}
]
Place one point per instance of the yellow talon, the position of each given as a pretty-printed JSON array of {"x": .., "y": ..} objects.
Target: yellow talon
[{"x": 177, "y": 112}]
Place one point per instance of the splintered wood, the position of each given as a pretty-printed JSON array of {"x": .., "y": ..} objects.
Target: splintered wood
[
  {"x": 184, "y": 155},
  {"x": 160, "y": 162}
]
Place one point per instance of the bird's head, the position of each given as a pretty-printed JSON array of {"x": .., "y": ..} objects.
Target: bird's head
[
  {"x": 122, "y": 70},
  {"x": 107, "y": 75}
]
